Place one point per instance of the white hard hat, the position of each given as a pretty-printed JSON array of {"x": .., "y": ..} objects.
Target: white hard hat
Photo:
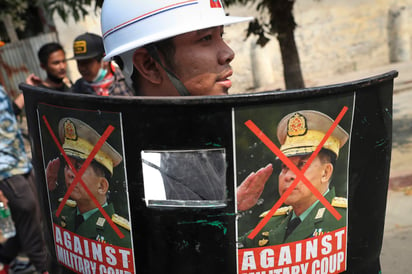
[{"x": 130, "y": 24}]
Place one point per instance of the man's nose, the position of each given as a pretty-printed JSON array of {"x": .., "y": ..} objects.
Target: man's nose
[
  {"x": 290, "y": 175},
  {"x": 70, "y": 172},
  {"x": 226, "y": 54}
]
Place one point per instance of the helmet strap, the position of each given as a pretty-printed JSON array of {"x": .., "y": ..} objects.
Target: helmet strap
[{"x": 172, "y": 77}]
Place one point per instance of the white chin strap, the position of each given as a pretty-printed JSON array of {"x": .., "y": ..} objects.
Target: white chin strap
[{"x": 154, "y": 53}]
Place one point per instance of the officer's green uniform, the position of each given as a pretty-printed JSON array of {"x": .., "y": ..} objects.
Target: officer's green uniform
[
  {"x": 79, "y": 139},
  {"x": 319, "y": 221},
  {"x": 96, "y": 226},
  {"x": 299, "y": 134}
]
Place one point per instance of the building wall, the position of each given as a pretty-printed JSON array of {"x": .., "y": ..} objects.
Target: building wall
[
  {"x": 338, "y": 37},
  {"x": 333, "y": 38},
  {"x": 19, "y": 59}
]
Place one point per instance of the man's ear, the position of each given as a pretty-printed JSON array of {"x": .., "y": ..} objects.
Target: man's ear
[
  {"x": 327, "y": 172},
  {"x": 147, "y": 66},
  {"x": 43, "y": 66},
  {"x": 103, "y": 186}
]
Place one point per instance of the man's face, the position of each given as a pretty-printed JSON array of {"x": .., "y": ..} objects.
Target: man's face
[
  {"x": 89, "y": 68},
  {"x": 56, "y": 64},
  {"x": 201, "y": 61},
  {"x": 301, "y": 196},
  {"x": 90, "y": 178}
]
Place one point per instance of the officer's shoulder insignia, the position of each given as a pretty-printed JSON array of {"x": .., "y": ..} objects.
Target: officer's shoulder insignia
[
  {"x": 340, "y": 202},
  {"x": 69, "y": 202},
  {"x": 121, "y": 221},
  {"x": 263, "y": 242},
  {"x": 63, "y": 222},
  {"x": 279, "y": 212}
]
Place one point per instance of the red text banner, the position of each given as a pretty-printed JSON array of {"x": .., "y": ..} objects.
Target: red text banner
[
  {"x": 317, "y": 255},
  {"x": 85, "y": 256}
]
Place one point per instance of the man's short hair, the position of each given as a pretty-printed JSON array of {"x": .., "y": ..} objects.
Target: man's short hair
[
  {"x": 47, "y": 49},
  {"x": 100, "y": 170},
  {"x": 166, "y": 48},
  {"x": 327, "y": 156}
]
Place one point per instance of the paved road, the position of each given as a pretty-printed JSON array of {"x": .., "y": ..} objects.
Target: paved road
[{"x": 397, "y": 240}]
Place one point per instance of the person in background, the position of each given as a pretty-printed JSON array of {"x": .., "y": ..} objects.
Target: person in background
[
  {"x": 17, "y": 184},
  {"x": 4, "y": 200},
  {"x": 52, "y": 60},
  {"x": 98, "y": 77}
]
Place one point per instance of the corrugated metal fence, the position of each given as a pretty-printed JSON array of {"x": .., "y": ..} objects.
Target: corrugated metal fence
[{"x": 19, "y": 59}]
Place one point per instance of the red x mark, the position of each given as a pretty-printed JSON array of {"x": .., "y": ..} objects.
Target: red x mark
[
  {"x": 299, "y": 173},
  {"x": 79, "y": 173}
]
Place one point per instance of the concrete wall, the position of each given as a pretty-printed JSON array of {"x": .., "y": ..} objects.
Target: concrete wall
[
  {"x": 333, "y": 37},
  {"x": 337, "y": 37}
]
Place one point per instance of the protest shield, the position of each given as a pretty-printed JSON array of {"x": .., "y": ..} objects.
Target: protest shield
[{"x": 174, "y": 167}]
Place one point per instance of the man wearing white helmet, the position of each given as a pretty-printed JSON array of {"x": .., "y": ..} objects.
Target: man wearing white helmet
[{"x": 175, "y": 47}]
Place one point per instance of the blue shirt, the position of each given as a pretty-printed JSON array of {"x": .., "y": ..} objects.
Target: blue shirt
[{"x": 13, "y": 157}]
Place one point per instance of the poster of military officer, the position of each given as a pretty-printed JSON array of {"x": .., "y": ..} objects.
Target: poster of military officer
[
  {"x": 85, "y": 175},
  {"x": 305, "y": 198}
]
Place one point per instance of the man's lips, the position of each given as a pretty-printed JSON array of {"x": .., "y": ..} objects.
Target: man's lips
[
  {"x": 226, "y": 83},
  {"x": 224, "y": 79},
  {"x": 285, "y": 189}
]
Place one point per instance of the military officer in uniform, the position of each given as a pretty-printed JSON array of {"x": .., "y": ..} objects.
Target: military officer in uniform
[
  {"x": 80, "y": 214},
  {"x": 303, "y": 215}
]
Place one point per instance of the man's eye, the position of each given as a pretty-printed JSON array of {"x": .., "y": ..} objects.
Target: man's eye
[
  {"x": 78, "y": 166},
  {"x": 206, "y": 38},
  {"x": 301, "y": 165}
]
